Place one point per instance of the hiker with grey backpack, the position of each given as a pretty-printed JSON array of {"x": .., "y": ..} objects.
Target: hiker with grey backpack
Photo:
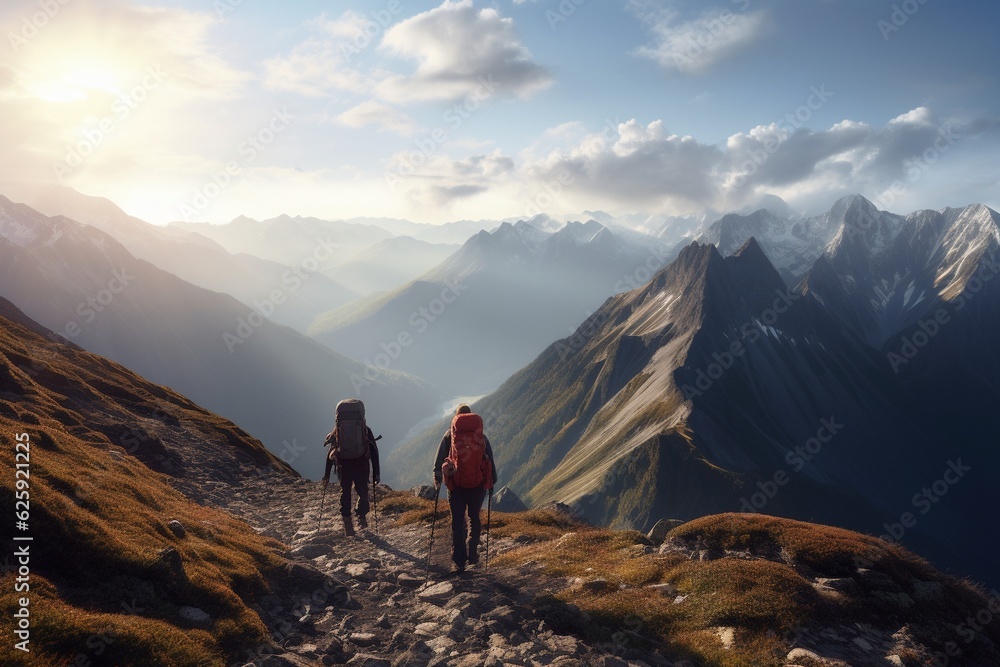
[{"x": 354, "y": 454}]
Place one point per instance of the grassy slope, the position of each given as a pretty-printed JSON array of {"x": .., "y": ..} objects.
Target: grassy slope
[
  {"x": 99, "y": 515},
  {"x": 756, "y": 574}
]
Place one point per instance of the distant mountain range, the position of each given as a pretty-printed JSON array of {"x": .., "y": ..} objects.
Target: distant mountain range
[
  {"x": 274, "y": 382},
  {"x": 360, "y": 254},
  {"x": 201, "y": 261},
  {"x": 488, "y": 309},
  {"x": 717, "y": 386}
]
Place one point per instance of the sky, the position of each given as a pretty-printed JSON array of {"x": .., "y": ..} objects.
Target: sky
[{"x": 203, "y": 110}]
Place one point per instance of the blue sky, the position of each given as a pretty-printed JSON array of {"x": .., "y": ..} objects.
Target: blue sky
[{"x": 468, "y": 109}]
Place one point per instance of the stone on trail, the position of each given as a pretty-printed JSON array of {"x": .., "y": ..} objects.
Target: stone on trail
[
  {"x": 362, "y": 638},
  {"x": 365, "y": 660},
  {"x": 439, "y": 593},
  {"x": 409, "y": 580},
  {"x": 427, "y": 629},
  {"x": 284, "y": 660}
]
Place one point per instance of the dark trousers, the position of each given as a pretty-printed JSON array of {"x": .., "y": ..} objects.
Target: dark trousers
[
  {"x": 465, "y": 501},
  {"x": 354, "y": 474}
]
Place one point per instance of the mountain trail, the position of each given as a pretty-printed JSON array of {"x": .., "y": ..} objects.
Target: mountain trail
[{"x": 369, "y": 599}]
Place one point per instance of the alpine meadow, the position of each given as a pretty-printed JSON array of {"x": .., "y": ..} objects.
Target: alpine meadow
[{"x": 499, "y": 333}]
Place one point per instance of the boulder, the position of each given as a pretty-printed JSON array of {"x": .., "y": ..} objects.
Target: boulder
[
  {"x": 195, "y": 615},
  {"x": 170, "y": 566},
  {"x": 177, "y": 528},
  {"x": 564, "y": 509},
  {"x": 658, "y": 533},
  {"x": 423, "y": 491},
  {"x": 506, "y": 500}
]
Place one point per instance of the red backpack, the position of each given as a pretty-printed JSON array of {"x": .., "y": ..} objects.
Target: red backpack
[{"x": 468, "y": 454}]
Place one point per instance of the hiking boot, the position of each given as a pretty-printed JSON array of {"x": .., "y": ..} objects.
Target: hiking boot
[
  {"x": 348, "y": 526},
  {"x": 363, "y": 522}
]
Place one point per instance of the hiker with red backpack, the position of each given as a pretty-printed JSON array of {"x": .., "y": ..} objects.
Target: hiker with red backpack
[
  {"x": 465, "y": 464},
  {"x": 354, "y": 454}
]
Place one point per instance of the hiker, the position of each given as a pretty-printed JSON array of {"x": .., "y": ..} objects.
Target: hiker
[
  {"x": 465, "y": 463},
  {"x": 352, "y": 449}
]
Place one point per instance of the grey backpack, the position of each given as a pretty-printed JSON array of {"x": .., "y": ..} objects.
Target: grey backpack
[{"x": 351, "y": 433}]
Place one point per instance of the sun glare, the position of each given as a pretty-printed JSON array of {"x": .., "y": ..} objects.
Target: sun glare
[{"x": 77, "y": 84}]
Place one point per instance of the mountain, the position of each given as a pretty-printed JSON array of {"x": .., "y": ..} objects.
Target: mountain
[
  {"x": 288, "y": 240},
  {"x": 883, "y": 273},
  {"x": 306, "y": 291},
  {"x": 449, "y": 233},
  {"x": 715, "y": 387},
  {"x": 109, "y": 458},
  {"x": 773, "y": 204},
  {"x": 489, "y": 308},
  {"x": 164, "y": 535},
  {"x": 274, "y": 382},
  {"x": 791, "y": 246},
  {"x": 391, "y": 263}
]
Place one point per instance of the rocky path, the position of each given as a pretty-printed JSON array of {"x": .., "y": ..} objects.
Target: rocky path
[{"x": 367, "y": 600}]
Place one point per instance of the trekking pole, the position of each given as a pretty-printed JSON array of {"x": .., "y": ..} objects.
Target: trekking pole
[
  {"x": 489, "y": 510},
  {"x": 322, "y": 502},
  {"x": 430, "y": 547},
  {"x": 375, "y": 501},
  {"x": 375, "y": 494}
]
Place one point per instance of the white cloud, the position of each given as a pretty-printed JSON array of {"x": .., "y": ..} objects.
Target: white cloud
[
  {"x": 457, "y": 47},
  {"x": 631, "y": 166},
  {"x": 385, "y": 117},
  {"x": 697, "y": 45}
]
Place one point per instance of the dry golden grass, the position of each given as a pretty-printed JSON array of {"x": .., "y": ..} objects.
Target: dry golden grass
[
  {"x": 99, "y": 520},
  {"x": 99, "y": 516},
  {"x": 762, "y": 592}
]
